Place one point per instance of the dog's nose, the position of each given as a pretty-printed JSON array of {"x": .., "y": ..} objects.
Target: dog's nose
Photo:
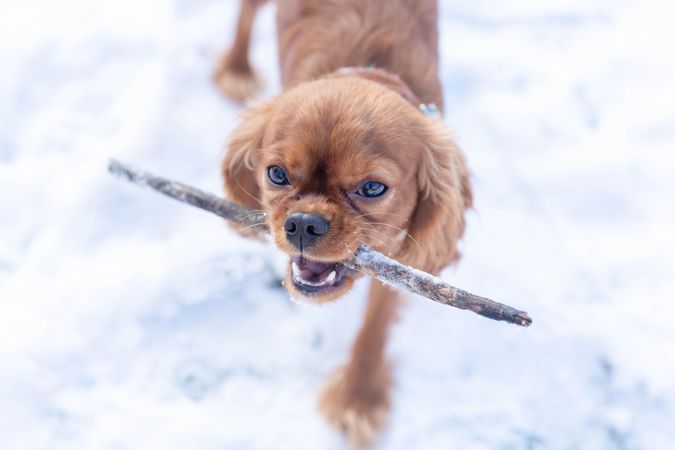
[{"x": 304, "y": 229}]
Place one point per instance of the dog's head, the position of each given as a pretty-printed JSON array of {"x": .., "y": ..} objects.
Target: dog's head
[{"x": 340, "y": 162}]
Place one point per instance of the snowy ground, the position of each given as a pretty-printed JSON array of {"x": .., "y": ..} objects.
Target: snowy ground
[{"x": 130, "y": 322}]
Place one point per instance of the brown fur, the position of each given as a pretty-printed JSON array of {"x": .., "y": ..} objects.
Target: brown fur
[
  {"x": 233, "y": 74},
  {"x": 355, "y": 398},
  {"x": 331, "y": 131}
]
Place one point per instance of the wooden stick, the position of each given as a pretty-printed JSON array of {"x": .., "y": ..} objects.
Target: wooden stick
[{"x": 365, "y": 259}]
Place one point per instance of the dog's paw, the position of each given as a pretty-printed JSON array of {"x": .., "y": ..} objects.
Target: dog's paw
[
  {"x": 236, "y": 83},
  {"x": 357, "y": 403}
]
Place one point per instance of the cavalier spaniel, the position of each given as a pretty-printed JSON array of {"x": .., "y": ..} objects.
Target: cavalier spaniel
[{"x": 352, "y": 152}]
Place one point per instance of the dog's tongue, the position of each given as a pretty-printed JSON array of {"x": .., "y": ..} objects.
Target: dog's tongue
[
  {"x": 314, "y": 273},
  {"x": 310, "y": 268}
]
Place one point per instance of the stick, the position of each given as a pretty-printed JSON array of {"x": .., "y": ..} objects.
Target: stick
[{"x": 365, "y": 259}]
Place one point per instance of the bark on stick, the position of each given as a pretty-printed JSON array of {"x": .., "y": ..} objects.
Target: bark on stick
[{"x": 365, "y": 259}]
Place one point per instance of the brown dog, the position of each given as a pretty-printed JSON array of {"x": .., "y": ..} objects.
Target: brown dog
[{"x": 346, "y": 156}]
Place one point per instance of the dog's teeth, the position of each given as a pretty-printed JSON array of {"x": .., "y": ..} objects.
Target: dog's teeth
[
  {"x": 298, "y": 277},
  {"x": 310, "y": 283}
]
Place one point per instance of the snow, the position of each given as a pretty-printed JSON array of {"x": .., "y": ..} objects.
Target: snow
[{"x": 132, "y": 322}]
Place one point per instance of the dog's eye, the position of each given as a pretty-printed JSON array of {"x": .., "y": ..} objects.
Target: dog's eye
[
  {"x": 371, "y": 189},
  {"x": 277, "y": 175}
]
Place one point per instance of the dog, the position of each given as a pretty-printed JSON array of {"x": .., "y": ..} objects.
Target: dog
[{"x": 352, "y": 152}]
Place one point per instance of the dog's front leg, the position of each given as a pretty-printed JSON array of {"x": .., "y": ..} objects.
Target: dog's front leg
[{"x": 355, "y": 398}]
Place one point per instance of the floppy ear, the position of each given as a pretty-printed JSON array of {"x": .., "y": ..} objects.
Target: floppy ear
[
  {"x": 444, "y": 193},
  {"x": 241, "y": 160}
]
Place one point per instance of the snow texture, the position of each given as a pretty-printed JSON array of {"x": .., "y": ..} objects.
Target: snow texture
[{"x": 131, "y": 322}]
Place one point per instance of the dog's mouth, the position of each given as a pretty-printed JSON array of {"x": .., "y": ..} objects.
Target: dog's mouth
[{"x": 313, "y": 278}]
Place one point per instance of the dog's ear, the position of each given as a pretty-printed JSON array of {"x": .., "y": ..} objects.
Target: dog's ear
[
  {"x": 444, "y": 193},
  {"x": 241, "y": 160}
]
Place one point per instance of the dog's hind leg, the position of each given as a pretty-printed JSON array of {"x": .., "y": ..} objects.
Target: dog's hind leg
[
  {"x": 233, "y": 74},
  {"x": 355, "y": 398}
]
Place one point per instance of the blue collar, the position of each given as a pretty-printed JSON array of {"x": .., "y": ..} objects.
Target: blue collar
[{"x": 430, "y": 110}]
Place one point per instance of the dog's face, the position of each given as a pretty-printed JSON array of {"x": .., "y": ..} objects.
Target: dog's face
[{"x": 338, "y": 163}]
